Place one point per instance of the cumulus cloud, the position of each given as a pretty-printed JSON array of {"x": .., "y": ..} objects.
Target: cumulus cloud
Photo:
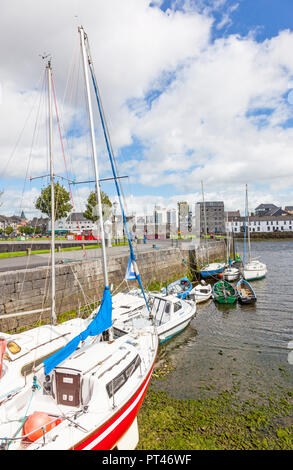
[{"x": 191, "y": 107}]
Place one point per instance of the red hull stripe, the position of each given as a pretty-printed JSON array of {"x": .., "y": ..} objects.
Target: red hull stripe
[{"x": 107, "y": 436}]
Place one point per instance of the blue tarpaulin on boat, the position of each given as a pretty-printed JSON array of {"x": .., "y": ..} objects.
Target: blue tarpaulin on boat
[{"x": 101, "y": 322}]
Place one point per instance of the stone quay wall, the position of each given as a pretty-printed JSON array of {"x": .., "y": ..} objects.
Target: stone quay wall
[{"x": 80, "y": 283}]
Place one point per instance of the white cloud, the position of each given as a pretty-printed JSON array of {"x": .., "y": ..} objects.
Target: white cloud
[{"x": 201, "y": 124}]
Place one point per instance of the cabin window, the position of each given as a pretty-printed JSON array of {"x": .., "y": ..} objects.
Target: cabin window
[
  {"x": 158, "y": 308},
  {"x": 177, "y": 306},
  {"x": 13, "y": 347},
  {"x": 113, "y": 386}
]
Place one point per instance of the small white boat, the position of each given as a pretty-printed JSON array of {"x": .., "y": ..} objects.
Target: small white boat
[
  {"x": 253, "y": 270},
  {"x": 231, "y": 274},
  {"x": 169, "y": 314},
  {"x": 201, "y": 293}
]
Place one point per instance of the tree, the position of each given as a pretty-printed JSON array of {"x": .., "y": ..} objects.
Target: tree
[
  {"x": 9, "y": 230},
  {"x": 27, "y": 230},
  {"x": 62, "y": 204},
  {"x": 91, "y": 211}
]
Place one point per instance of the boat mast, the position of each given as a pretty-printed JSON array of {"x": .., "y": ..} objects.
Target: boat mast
[
  {"x": 98, "y": 190},
  {"x": 52, "y": 183},
  {"x": 205, "y": 219},
  {"x": 113, "y": 166},
  {"x": 248, "y": 230}
]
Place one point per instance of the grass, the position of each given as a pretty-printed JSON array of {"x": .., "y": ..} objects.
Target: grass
[
  {"x": 13, "y": 254},
  {"x": 220, "y": 423}
]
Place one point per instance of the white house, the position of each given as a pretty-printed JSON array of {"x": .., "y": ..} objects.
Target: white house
[{"x": 281, "y": 223}]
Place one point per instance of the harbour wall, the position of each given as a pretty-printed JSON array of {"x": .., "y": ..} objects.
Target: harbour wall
[{"x": 80, "y": 283}]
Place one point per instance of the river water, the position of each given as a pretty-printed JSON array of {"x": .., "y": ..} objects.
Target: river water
[{"x": 245, "y": 345}]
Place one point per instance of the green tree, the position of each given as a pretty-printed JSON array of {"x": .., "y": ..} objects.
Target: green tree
[
  {"x": 9, "y": 230},
  {"x": 62, "y": 204},
  {"x": 27, "y": 230},
  {"x": 91, "y": 211}
]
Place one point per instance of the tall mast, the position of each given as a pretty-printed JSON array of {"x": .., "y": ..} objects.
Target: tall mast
[
  {"x": 248, "y": 228},
  {"x": 205, "y": 220},
  {"x": 98, "y": 191},
  {"x": 113, "y": 166},
  {"x": 53, "y": 313}
]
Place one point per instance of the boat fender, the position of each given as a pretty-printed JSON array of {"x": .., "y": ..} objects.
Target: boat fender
[{"x": 39, "y": 421}]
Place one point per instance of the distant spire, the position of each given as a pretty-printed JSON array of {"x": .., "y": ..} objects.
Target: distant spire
[{"x": 22, "y": 216}]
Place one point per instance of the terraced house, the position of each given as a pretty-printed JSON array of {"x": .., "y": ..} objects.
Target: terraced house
[{"x": 265, "y": 223}]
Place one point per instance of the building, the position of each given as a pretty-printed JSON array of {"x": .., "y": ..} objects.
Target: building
[
  {"x": 214, "y": 214},
  {"x": 13, "y": 221},
  {"x": 42, "y": 223},
  {"x": 268, "y": 209},
  {"x": 278, "y": 223},
  {"x": 289, "y": 209},
  {"x": 232, "y": 214}
]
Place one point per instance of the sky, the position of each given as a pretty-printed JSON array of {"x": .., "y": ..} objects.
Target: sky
[{"x": 194, "y": 92}]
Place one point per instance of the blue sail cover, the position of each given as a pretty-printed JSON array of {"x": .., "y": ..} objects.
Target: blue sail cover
[{"x": 101, "y": 322}]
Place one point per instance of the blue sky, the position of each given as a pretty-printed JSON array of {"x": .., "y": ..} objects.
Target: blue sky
[{"x": 193, "y": 91}]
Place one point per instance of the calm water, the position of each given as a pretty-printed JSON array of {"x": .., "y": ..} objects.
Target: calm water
[{"x": 244, "y": 345}]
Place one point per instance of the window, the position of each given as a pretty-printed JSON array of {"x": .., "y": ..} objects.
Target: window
[
  {"x": 177, "y": 306},
  {"x": 122, "y": 378}
]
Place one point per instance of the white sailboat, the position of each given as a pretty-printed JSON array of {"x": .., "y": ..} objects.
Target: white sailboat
[
  {"x": 87, "y": 395},
  {"x": 254, "y": 268},
  {"x": 21, "y": 352}
]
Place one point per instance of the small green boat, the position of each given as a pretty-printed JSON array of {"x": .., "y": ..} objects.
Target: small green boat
[{"x": 224, "y": 293}]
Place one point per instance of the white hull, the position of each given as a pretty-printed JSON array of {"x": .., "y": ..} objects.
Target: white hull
[
  {"x": 104, "y": 416},
  {"x": 201, "y": 293},
  {"x": 231, "y": 274},
  {"x": 167, "y": 324},
  {"x": 167, "y": 331},
  {"x": 254, "y": 270}
]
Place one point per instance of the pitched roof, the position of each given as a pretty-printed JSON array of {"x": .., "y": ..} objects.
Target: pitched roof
[{"x": 266, "y": 206}]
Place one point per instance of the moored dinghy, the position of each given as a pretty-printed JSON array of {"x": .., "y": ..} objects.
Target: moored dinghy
[
  {"x": 181, "y": 288},
  {"x": 212, "y": 269},
  {"x": 224, "y": 293},
  {"x": 246, "y": 294},
  {"x": 201, "y": 292}
]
